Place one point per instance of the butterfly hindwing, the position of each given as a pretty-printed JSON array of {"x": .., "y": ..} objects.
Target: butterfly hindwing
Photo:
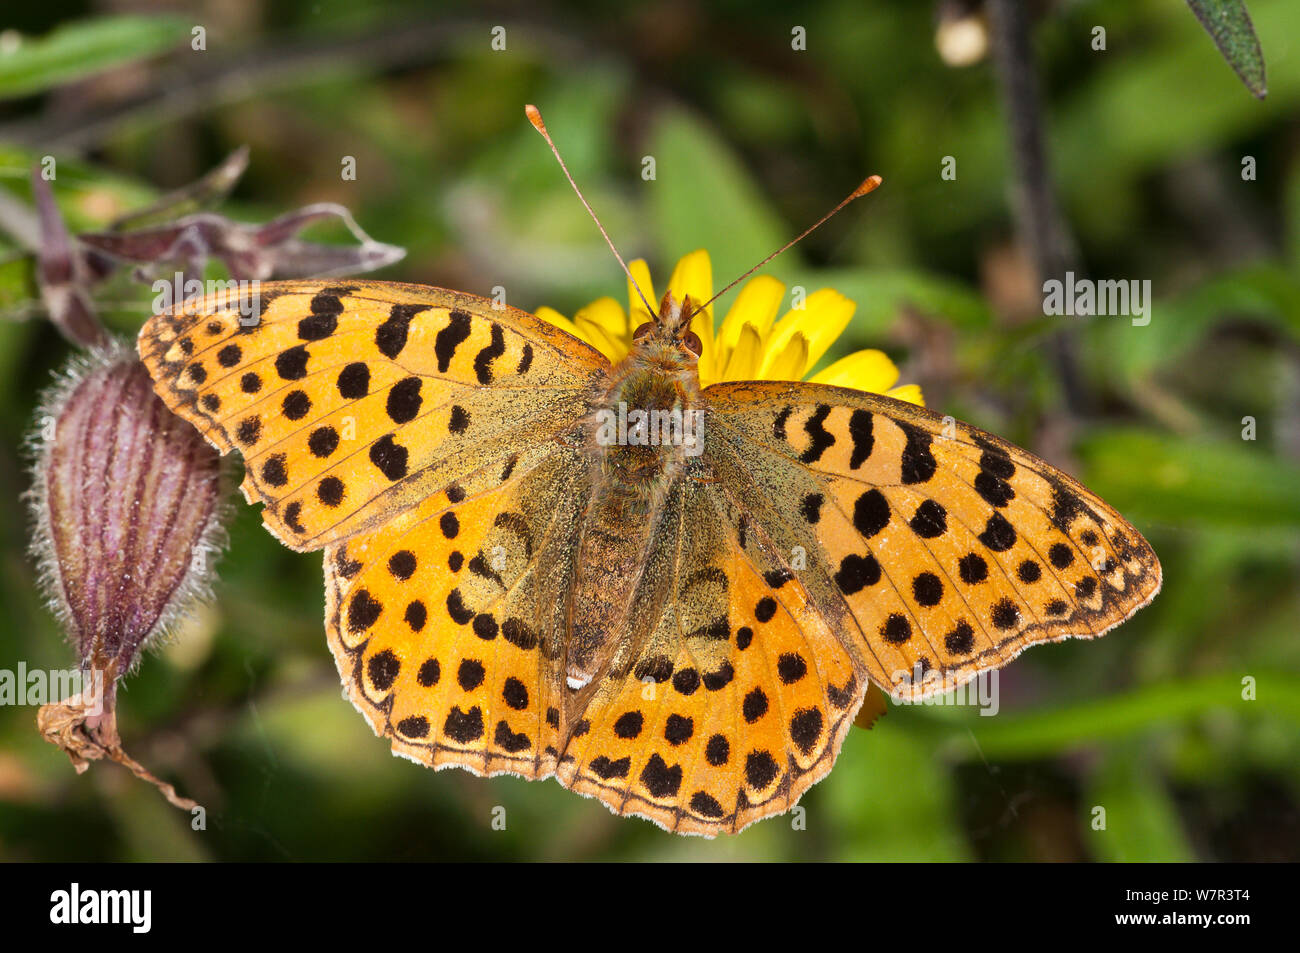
[
  {"x": 447, "y": 623},
  {"x": 352, "y": 402},
  {"x": 737, "y": 698},
  {"x": 940, "y": 550}
]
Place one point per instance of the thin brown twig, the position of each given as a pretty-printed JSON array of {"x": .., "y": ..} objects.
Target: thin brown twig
[{"x": 1041, "y": 226}]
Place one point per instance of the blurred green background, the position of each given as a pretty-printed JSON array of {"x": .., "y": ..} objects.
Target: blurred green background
[{"x": 752, "y": 141}]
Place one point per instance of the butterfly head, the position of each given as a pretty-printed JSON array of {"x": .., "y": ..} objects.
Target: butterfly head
[{"x": 671, "y": 329}]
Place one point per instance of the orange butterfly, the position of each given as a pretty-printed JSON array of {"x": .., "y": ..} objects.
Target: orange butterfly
[{"x": 671, "y": 597}]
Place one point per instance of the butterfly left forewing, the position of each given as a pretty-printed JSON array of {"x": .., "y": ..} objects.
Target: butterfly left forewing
[
  {"x": 939, "y": 553},
  {"x": 352, "y": 402}
]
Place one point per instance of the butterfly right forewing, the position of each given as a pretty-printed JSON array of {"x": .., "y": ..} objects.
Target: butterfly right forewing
[{"x": 939, "y": 551}]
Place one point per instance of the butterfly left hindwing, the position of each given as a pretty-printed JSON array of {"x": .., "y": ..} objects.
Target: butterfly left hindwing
[
  {"x": 447, "y": 623},
  {"x": 736, "y": 698}
]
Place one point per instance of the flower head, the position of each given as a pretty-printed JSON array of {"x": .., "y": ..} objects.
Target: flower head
[{"x": 752, "y": 342}]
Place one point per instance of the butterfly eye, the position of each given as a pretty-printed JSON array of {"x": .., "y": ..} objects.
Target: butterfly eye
[
  {"x": 692, "y": 343},
  {"x": 643, "y": 330}
]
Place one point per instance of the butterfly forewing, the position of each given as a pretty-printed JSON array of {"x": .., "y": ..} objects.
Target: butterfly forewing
[
  {"x": 353, "y": 402},
  {"x": 936, "y": 549}
]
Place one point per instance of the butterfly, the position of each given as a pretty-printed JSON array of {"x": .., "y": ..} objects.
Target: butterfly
[{"x": 672, "y": 598}]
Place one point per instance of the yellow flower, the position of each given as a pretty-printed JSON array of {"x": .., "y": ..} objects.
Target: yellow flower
[{"x": 752, "y": 343}]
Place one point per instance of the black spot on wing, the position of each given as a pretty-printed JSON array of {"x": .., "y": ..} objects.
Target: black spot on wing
[
  {"x": 918, "y": 463},
  {"x": 860, "y": 430},
  {"x": 390, "y": 337},
  {"x": 354, "y": 381},
  {"x": 404, "y": 400},
  {"x": 870, "y": 513},
  {"x": 811, "y": 507},
  {"x": 389, "y": 456},
  {"x": 484, "y": 358},
  {"x": 324, "y": 319},
  {"x": 998, "y": 535},
  {"x": 291, "y": 365},
  {"x": 1066, "y": 507},
  {"x": 464, "y": 726},
  {"x": 930, "y": 520},
  {"x": 449, "y": 338},
  {"x": 778, "y": 425},
  {"x": 819, "y": 438}
]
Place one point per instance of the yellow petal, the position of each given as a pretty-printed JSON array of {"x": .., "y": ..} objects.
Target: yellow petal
[
  {"x": 910, "y": 393},
  {"x": 822, "y": 319},
  {"x": 742, "y": 364},
  {"x": 609, "y": 315},
  {"x": 693, "y": 276},
  {"x": 702, "y": 325},
  {"x": 551, "y": 316},
  {"x": 600, "y": 338},
  {"x": 862, "y": 370},
  {"x": 636, "y": 307},
  {"x": 756, "y": 305},
  {"x": 788, "y": 364}
]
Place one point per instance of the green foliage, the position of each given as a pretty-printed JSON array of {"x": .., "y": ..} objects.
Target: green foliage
[
  {"x": 1229, "y": 24},
  {"x": 77, "y": 50}
]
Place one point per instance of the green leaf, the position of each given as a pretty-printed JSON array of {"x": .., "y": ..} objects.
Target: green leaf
[
  {"x": 1036, "y": 734},
  {"x": 18, "y": 289},
  {"x": 882, "y": 294},
  {"x": 1229, "y": 26},
  {"x": 1142, "y": 823},
  {"x": 1187, "y": 482},
  {"x": 702, "y": 197},
  {"x": 81, "y": 49},
  {"x": 1265, "y": 292},
  {"x": 889, "y": 800}
]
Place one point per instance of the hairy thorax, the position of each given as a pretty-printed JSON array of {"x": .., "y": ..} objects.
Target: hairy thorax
[{"x": 647, "y": 424}]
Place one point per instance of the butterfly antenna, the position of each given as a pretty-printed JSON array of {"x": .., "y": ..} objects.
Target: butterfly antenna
[
  {"x": 535, "y": 117},
  {"x": 869, "y": 184}
]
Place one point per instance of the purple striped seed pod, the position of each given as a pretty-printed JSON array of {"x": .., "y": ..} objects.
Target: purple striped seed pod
[{"x": 127, "y": 504}]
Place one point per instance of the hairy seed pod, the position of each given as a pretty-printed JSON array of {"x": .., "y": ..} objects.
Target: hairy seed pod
[{"x": 127, "y": 504}]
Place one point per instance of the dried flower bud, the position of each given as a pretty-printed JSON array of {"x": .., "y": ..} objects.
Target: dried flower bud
[
  {"x": 63, "y": 274},
  {"x": 127, "y": 504},
  {"x": 249, "y": 252}
]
